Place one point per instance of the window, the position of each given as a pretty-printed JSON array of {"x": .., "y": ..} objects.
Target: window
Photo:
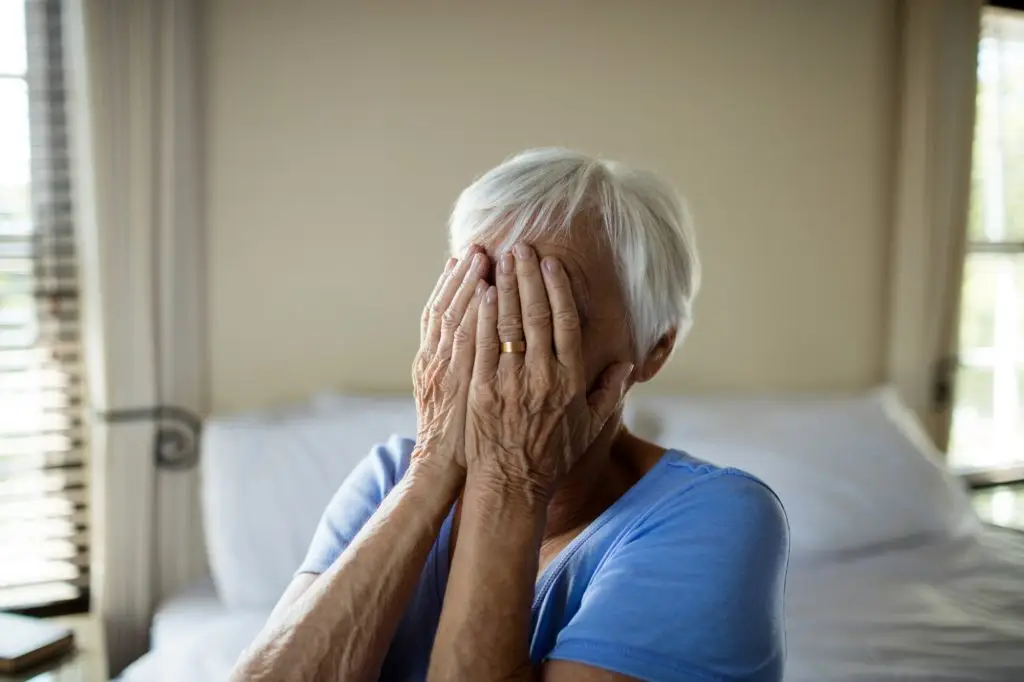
[
  {"x": 43, "y": 514},
  {"x": 988, "y": 417}
]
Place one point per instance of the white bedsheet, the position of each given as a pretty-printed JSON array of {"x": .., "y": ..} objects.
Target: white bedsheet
[
  {"x": 196, "y": 638},
  {"x": 179, "y": 616},
  {"x": 940, "y": 612}
]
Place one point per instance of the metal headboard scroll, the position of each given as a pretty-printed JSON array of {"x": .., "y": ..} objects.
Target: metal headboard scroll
[{"x": 176, "y": 445}]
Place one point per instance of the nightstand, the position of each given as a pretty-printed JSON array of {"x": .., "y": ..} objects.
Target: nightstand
[{"x": 87, "y": 663}]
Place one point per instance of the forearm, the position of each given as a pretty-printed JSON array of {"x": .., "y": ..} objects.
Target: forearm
[
  {"x": 341, "y": 627},
  {"x": 484, "y": 632}
]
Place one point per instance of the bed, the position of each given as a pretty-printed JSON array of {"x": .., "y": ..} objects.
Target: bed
[
  {"x": 938, "y": 611},
  {"x": 893, "y": 577}
]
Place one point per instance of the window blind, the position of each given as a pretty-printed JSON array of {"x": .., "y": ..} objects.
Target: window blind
[{"x": 44, "y": 529}]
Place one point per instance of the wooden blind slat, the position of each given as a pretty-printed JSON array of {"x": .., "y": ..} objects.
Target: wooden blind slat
[
  {"x": 47, "y": 506},
  {"x": 11, "y": 535},
  {"x": 38, "y": 572},
  {"x": 78, "y": 518},
  {"x": 15, "y": 465},
  {"x": 42, "y": 482},
  {"x": 46, "y": 594}
]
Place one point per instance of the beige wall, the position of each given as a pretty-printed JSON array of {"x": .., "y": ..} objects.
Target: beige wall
[{"x": 339, "y": 134}]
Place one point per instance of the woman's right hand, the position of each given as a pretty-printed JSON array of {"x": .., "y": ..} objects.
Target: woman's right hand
[{"x": 443, "y": 366}]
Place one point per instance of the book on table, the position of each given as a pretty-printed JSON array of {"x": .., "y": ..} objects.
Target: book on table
[{"x": 26, "y": 642}]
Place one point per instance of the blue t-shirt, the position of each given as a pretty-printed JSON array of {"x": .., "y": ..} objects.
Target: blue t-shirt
[{"x": 681, "y": 579}]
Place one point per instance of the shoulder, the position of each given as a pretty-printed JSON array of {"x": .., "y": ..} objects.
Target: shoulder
[
  {"x": 355, "y": 501},
  {"x": 387, "y": 462},
  {"x": 375, "y": 475},
  {"x": 698, "y": 497},
  {"x": 694, "y": 586},
  {"x": 719, "y": 529}
]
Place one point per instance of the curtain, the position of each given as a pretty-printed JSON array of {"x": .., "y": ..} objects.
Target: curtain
[
  {"x": 935, "y": 125},
  {"x": 136, "y": 141}
]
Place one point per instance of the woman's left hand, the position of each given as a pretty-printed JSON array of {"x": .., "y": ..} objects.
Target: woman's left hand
[{"x": 529, "y": 415}]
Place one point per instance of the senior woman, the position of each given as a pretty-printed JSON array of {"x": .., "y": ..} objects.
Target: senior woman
[{"x": 526, "y": 534}]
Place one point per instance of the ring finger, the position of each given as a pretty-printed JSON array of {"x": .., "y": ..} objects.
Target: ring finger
[{"x": 510, "y": 316}]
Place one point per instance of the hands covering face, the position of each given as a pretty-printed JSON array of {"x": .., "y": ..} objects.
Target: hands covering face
[{"x": 521, "y": 418}]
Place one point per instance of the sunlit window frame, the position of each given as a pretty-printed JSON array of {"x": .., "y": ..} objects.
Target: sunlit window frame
[{"x": 1005, "y": 358}]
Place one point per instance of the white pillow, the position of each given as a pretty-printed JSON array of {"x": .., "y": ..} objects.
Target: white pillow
[
  {"x": 267, "y": 477},
  {"x": 852, "y": 473}
]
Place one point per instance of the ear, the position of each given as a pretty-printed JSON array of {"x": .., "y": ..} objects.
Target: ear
[{"x": 656, "y": 358}]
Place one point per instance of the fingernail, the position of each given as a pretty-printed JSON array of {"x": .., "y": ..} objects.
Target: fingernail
[
  {"x": 507, "y": 264},
  {"x": 478, "y": 260},
  {"x": 492, "y": 295},
  {"x": 451, "y": 263},
  {"x": 551, "y": 265},
  {"x": 480, "y": 286},
  {"x": 523, "y": 252}
]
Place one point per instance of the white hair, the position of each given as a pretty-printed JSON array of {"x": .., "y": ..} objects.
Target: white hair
[{"x": 540, "y": 192}]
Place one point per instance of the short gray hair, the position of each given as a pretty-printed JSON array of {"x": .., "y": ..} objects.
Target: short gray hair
[{"x": 540, "y": 192}]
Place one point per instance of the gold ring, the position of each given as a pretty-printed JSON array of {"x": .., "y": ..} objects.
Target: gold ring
[{"x": 513, "y": 347}]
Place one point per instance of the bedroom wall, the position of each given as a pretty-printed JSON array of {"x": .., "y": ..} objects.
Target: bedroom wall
[{"x": 339, "y": 133}]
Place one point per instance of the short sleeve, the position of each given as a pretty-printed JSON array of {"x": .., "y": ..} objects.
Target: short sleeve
[
  {"x": 355, "y": 502},
  {"x": 694, "y": 591}
]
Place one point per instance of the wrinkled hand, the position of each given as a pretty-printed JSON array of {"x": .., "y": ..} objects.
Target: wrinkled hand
[
  {"x": 530, "y": 417},
  {"x": 443, "y": 366}
]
